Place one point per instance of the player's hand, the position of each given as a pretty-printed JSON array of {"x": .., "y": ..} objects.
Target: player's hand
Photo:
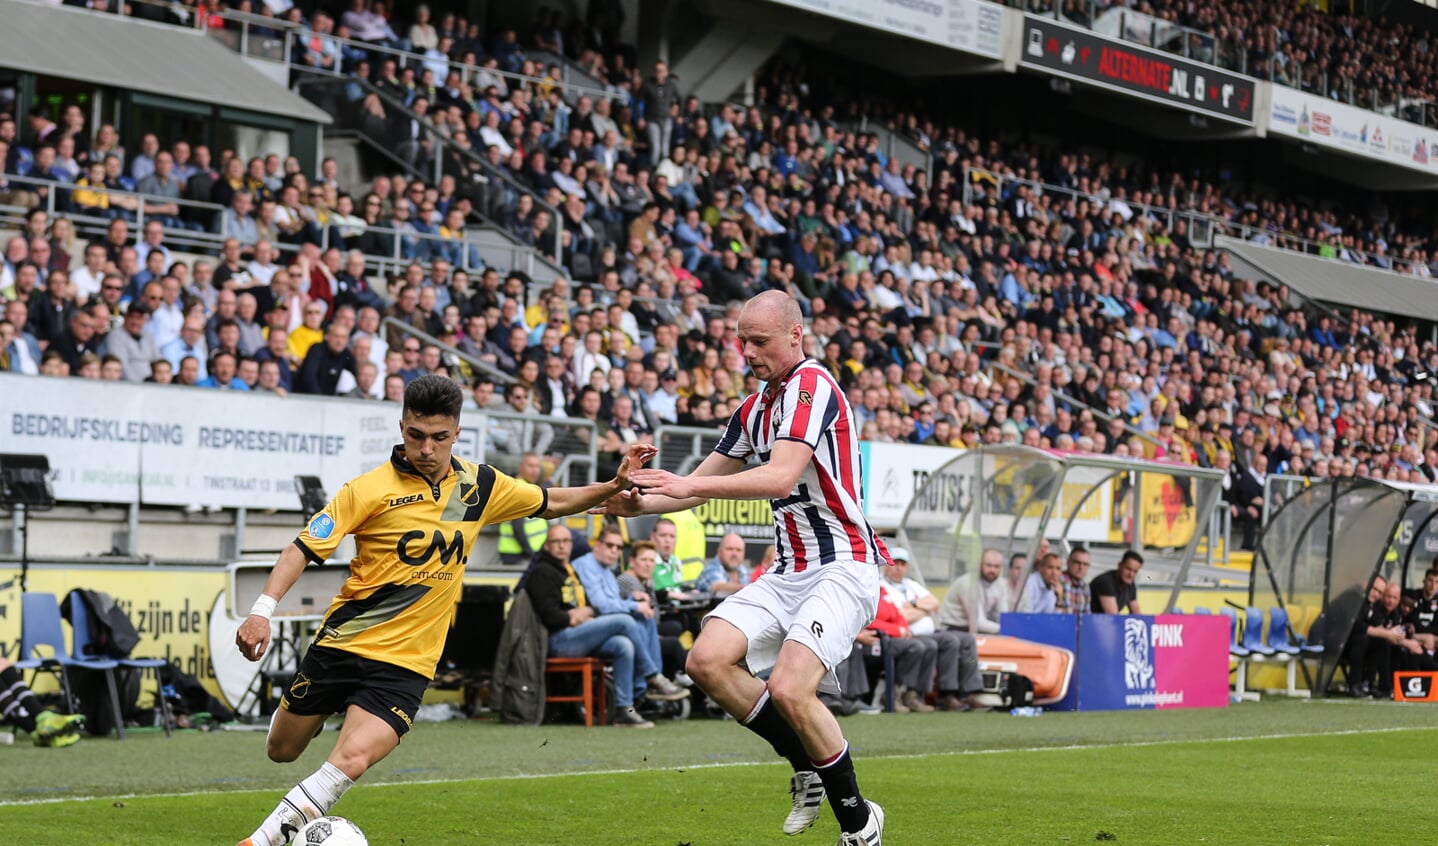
[
  {"x": 663, "y": 482},
  {"x": 634, "y": 460},
  {"x": 628, "y": 503},
  {"x": 253, "y": 638}
]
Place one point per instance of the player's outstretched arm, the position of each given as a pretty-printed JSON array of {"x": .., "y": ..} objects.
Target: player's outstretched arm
[
  {"x": 566, "y": 501},
  {"x": 632, "y": 503},
  {"x": 772, "y": 480},
  {"x": 253, "y": 638}
]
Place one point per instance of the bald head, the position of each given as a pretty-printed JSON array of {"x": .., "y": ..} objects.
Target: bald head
[
  {"x": 775, "y": 306},
  {"x": 771, "y": 330}
]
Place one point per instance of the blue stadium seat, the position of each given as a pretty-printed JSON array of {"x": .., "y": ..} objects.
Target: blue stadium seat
[
  {"x": 1202, "y": 610},
  {"x": 1278, "y": 632},
  {"x": 42, "y": 649},
  {"x": 80, "y": 629},
  {"x": 1253, "y": 633},
  {"x": 1233, "y": 648}
]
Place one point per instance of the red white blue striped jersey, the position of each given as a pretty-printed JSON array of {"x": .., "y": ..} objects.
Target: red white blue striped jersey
[{"x": 822, "y": 520}]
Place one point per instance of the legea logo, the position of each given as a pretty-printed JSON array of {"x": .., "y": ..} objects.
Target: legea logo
[{"x": 1137, "y": 655}]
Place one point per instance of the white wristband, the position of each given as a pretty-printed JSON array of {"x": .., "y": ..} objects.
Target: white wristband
[{"x": 264, "y": 606}]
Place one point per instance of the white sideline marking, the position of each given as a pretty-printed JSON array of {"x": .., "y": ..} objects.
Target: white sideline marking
[{"x": 1078, "y": 747}]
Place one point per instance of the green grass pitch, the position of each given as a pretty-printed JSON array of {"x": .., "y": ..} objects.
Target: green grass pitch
[{"x": 1271, "y": 773}]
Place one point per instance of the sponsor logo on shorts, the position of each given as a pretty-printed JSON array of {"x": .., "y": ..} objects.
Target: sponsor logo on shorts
[
  {"x": 322, "y": 526},
  {"x": 817, "y": 628},
  {"x": 300, "y": 687},
  {"x": 394, "y": 709},
  {"x": 405, "y": 500}
]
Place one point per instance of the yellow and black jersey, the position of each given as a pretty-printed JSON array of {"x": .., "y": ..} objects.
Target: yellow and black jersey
[{"x": 412, "y": 539}]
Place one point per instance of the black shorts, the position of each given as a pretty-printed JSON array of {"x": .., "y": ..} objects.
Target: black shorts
[{"x": 330, "y": 680}]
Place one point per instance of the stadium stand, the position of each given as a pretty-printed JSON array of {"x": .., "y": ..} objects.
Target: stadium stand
[{"x": 1002, "y": 291}]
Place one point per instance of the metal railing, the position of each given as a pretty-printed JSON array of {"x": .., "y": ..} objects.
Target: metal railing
[
  {"x": 1317, "y": 80},
  {"x": 1074, "y": 401},
  {"x": 1122, "y": 23},
  {"x": 1201, "y": 227},
  {"x": 421, "y": 247},
  {"x": 570, "y": 444},
  {"x": 1279, "y": 489},
  {"x": 682, "y": 448},
  {"x": 337, "y": 106},
  {"x": 1319, "y": 249},
  {"x": 49, "y": 199},
  {"x": 489, "y": 370},
  {"x": 267, "y": 37}
]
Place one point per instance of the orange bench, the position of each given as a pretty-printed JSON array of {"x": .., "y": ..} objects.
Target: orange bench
[{"x": 592, "y": 691}]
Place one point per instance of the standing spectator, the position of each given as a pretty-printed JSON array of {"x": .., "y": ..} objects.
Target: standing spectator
[{"x": 658, "y": 94}]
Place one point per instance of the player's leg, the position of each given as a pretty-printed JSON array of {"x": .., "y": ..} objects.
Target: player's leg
[
  {"x": 364, "y": 741},
  {"x": 20, "y": 708},
  {"x": 717, "y": 665},
  {"x": 794, "y": 685},
  {"x": 379, "y": 701},
  {"x": 290, "y": 734},
  {"x": 836, "y": 605}
]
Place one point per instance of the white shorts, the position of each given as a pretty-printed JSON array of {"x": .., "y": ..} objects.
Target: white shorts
[{"x": 824, "y": 608}]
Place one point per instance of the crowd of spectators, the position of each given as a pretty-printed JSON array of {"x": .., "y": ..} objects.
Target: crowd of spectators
[
  {"x": 1073, "y": 321},
  {"x": 1370, "y": 62}
]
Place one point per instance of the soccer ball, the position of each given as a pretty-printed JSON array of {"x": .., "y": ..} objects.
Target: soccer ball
[{"x": 330, "y": 831}]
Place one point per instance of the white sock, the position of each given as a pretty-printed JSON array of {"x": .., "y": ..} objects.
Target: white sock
[{"x": 306, "y": 801}]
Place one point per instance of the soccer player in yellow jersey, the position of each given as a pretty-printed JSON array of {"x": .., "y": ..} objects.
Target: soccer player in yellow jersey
[{"x": 414, "y": 520}]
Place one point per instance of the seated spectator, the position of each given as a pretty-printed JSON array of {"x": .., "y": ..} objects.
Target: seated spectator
[
  {"x": 914, "y": 658},
  {"x": 77, "y": 340},
  {"x": 576, "y": 629},
  {"x": 727, "y": 572},
  {"x": 602, "y": 587},
  {"x": 238, "y": 220},
  {"x": 639, "y": 578},
  {"x": 1116, "y": 592},
  {"x": 956, "y": 651},
  {"x": 1043, "y": 591},
  {"x": 1079, "y": 599},
  {"x": 190, "y": 344},
  {"x": 308, "y": 333},
  {"x": 223, "y": 372},
  {"x": 325, "y": 362},
  {"x": 975, "y": 600},
  {"x": 133, "y": 344}
]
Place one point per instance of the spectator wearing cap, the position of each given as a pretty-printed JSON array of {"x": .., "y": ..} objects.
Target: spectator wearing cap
[{"x": 133, "y": 344}]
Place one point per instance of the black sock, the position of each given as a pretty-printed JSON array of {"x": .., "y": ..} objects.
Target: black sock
[
  {"x": 766, "y": 721},
  {"x": 18, "y": 705},
  {"x": 842, "y": 788}
]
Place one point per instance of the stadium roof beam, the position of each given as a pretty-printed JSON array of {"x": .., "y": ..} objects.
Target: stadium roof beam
[
  {"x": 1333, "y": 281},
  {"x": 140, "y": 56}
]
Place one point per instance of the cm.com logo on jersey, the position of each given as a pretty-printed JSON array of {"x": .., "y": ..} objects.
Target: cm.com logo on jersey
[{"x": 412, "y": 550}]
